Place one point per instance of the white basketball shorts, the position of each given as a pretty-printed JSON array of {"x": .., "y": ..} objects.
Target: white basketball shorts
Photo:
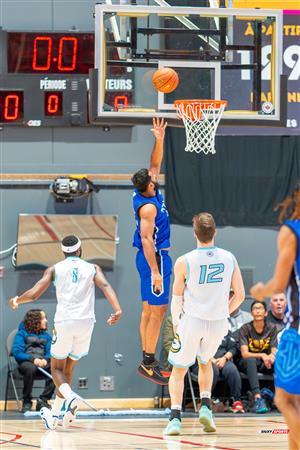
[
  {"x": 196, "y": 338},
  {"x": 71, "y": 338}
]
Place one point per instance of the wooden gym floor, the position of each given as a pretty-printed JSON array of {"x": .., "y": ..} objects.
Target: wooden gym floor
[{"x": 233, "y": 433}]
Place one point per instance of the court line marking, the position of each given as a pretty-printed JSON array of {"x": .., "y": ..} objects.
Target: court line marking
[{"x": 196, "y": 444}]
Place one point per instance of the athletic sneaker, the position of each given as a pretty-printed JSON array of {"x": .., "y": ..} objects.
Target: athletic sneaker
[
  {"x": 173, "y": 427},
  {"x": 71, "y": 411},
  {"x": 260, "y": 406},
  {"x": 206, "y": 419},
  {"x": 152, "y": 372},
  {"x": 238, "y": 407},
  {"x": 50, "y": 421}
]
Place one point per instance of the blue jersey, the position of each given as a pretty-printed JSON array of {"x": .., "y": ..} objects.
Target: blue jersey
[
  {"x": 293, "y": 291},
  {"x": 161, "y": 234}
]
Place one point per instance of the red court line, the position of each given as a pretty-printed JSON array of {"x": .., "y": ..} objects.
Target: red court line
[
  {"x": 101, "y": 228},
  {"x": 15, "y": 438},
  {"x": 43, "y": 223},
  {"x": 196, "y": 444},
  {"x": 275, "y": 421}
]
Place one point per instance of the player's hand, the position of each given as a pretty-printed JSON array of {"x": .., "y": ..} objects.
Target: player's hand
[
  {"x": 272, "y": 358},
  {"x": 159, "y": 126},
  {"x": 43, "y": 363},
  {"x": 157, "y": 282},
  {"x": 257, "y": 291},
  {"x": 114, "y": 317},
  {"x": 13, "y": 303}
]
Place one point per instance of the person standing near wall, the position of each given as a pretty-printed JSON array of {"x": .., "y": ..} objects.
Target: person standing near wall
[
  {"x": 152, "y": 239},
  {"x": 286, "y": 276},
  {"x": 75, "y": 281}
]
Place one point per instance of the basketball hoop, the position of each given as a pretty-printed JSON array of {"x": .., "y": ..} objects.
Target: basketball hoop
[{"x": 201, "y": 119}]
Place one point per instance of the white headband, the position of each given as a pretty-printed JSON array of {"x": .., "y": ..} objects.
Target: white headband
[{"x": 72, "y": 249}]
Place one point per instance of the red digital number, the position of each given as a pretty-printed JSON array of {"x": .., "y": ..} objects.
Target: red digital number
[
  {"x": 11, "y": 107},
  {"x": 62, "y": 43},
  {"x": 38, "y": 40},
  {"x": 120, "y": 101},
  {"x": 52, "y": 104}
]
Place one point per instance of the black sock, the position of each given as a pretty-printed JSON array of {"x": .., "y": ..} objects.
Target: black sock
[
  {"x": 149, "y": 358},
  {"x": 175, "y": 414},
  {"x": 144, "y": 355},
  {"x": 205, "y": 401}
]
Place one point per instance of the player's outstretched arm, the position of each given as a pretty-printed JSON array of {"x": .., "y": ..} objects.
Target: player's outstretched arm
[
  {"x": 237, "y": 286},
  {"x": 102, "y": 283},
  {"x": 35, "y": 292},
  {"x": 287, "y": 252},
  {"x": 159, "y": 126},
  {"x": 180, "y": 271}
]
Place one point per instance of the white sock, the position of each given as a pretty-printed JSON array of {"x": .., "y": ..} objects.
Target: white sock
[
  {"x": 58, "y": 402},
  {"x": 66, "y": 391},
  {"x": 204, "y": 394},
  {"x": 179, "y": 407}
]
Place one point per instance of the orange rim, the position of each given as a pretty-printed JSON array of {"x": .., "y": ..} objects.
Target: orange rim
[
  {"x": 196, "y": 113},
  {"x": 215, "y": 103}
]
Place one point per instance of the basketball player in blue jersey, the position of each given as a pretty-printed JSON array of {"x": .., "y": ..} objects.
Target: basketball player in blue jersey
[
  {"x": 200, "y": 309},
  {"x": 152, "y": 239},
  {"x": 287, "y": 276},
  {"x": 75, "y": 281}
]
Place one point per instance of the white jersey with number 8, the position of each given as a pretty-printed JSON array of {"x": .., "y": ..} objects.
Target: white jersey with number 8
[
  {"x": 208, "y": 281},
  {"x": 75, "y": 289}
]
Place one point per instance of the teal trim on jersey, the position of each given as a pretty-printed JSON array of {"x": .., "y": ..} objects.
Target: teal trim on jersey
[
  {"x": 58, "y": 357},
  {"x": 188, "y": 270},
  {"x": 72, "y": 257},
  {"x": 76, "y": 357},
  {"x": 178, "y": 366},
  {"x": 201, "y": 360},
  {"x": 206, "y": 248}
]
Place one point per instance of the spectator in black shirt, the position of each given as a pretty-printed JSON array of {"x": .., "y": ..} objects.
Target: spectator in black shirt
[
  {"x": 276, "y": 314},
  {"x": 258, "y": 342}
]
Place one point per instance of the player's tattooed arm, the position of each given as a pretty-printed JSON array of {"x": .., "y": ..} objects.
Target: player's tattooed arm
[
  {"x": 102, "y": 283},
  {"x": 35, "y": 292}
]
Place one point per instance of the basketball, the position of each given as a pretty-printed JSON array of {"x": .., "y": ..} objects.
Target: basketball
[{"x": 165, "y": 80}]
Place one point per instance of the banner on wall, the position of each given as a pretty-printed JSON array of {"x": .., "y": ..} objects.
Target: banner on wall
[{"x": 291, "y": 68}]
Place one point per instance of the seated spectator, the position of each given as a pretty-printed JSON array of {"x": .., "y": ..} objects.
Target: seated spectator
[
  {"x": 258, "y": 342},
  {"x": 223, "y": 365},
  {"x": 276, "y": 314},
  {"x": 31, "y": 349}
]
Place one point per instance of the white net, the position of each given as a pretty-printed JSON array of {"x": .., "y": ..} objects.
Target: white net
[{"x": 201, "y": 119}]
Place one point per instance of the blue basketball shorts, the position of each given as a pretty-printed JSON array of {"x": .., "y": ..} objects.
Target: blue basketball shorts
[
  {"x": 287, "y": 362},
  {"x": 164, "y": 263}
]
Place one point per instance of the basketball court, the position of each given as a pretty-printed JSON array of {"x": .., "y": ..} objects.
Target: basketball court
[
  {"x": 233, "y": 433},
  {"x": 228, "y": 57}
]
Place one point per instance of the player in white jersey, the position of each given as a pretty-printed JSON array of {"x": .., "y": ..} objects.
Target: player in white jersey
[
  {"x": 200, "y": 309},
  {"x": 75, "y": 281}
]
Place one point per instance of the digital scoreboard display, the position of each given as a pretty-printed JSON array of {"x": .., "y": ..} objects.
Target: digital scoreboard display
[
  {"x": 44, "y": 78},
  {"x": 59, "y": 53},
  {"x": 11, "y": 106}
]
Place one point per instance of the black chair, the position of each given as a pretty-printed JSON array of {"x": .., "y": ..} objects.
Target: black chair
[{"x": 13, "y": 374}]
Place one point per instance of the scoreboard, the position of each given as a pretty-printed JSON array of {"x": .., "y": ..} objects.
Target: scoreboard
[{"x": 44, "y": 78}]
